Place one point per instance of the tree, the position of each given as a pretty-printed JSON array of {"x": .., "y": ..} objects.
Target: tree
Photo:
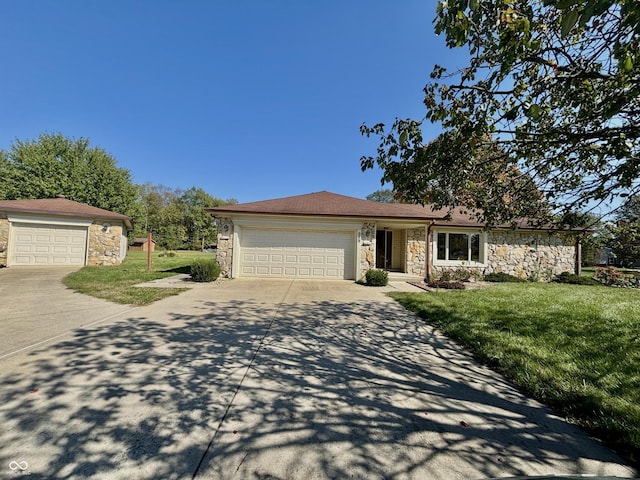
[
  {"x": 625, "y": 242},
  {"x": 383, "y": 196},
  {"x": 630, "y": 209},
  {"x": 54, "y": 165},
  {"x": 555, "y": 84},
  {"x": 625, "y": 232},
  {"x": 595, "y": 237},
  {"x": 177, "y": 218},
  {"x": 198, "y": 223}
]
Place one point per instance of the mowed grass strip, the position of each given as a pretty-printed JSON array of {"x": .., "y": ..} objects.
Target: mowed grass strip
[
  {"x": 117, "y": 284},
  {"x": 575, "y": 348}
]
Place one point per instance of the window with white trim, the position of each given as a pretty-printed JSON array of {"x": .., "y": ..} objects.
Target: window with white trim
[{"x": 452, "y": 248}]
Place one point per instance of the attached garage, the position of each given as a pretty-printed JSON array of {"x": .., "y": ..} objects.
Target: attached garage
[
  {"x": 42, "y": 244},
  {"x": 331, "y": 236},
  {"x": 286, "y": 253}
]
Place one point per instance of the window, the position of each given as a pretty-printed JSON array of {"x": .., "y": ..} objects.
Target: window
[{"x": 457, "y": 247}]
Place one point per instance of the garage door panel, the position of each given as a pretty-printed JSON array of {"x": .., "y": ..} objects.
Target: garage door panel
[
  {"x": 42, "y": 244},
  {"x": 297, "y": 253}
]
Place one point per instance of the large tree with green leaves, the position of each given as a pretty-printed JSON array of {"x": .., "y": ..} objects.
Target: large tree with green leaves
[
  {"x": 177, "y": 218},
  {"x": 385, "y": 195},
  {"x": 56, "y": 165},
  {"x": 625, "y": 232},
  {"x": 555, "y": 84}
]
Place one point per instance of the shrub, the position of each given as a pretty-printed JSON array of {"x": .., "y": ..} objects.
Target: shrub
[
  {"x": 204, "y": 270},
  {"x": 447, "y": 285},
  {"x": 446, "y": 275},
  {"x": 462, "y": 273},
  {"x": 502, "y": 277},
  {"x": 568, "y": 277},
  {"x": 612, "y": 277},
  {"x": 168, "y": 253},
  {"x": 377, "y": 278}
]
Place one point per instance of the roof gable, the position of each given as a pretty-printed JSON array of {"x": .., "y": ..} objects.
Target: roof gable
[
  {"x": 62, "y": 207},
  {"x": 334, "y": 205}
]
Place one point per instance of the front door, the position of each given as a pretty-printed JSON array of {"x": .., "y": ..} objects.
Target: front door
[{"x": 384, "y": 249}]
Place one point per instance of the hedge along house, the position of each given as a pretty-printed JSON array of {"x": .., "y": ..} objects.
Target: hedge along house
[
  {"x": 329, "y": 236},
  {"x": 58, "y": 231}
]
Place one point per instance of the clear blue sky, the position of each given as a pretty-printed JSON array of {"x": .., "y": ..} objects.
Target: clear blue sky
[{"x": 247, "y": 99}]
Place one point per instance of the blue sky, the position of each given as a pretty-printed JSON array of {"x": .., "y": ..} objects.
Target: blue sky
[{"x": 245, "y": 99}]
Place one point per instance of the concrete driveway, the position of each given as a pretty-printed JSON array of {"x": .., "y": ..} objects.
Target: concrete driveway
[
  {"x": 36, "y": 307},
  {"x": 254, "y": 379}
]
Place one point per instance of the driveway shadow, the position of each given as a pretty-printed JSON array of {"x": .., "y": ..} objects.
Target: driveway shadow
[{"x": 239, "y": 389}]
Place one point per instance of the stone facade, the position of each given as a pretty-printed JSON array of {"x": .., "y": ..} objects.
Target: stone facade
[
  {"x": 4, "y": 241},
  {"x": 105, "y": 244},
  {"x": 224, "y": 252},
  {"x": 367, "y": 248},
  {"x": 533, "y": 255},
  {"x": 537, "y": 256},
  {"x": 416, "y": 251}
]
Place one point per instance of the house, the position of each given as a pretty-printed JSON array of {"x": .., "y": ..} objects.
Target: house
[
  {"x": 331, "y": 236},
  {"x": 141, "y": 244},
  {"x": 59, "y": 231}
]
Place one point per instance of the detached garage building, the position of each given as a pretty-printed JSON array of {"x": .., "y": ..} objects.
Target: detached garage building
[{"x": 59, "y": 231}]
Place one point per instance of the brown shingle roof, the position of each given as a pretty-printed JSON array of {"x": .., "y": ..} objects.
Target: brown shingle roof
[
  {"x": 334, "y": 205},
  {"x": 61, "y": 207},
  {"x": 331, "y": 205}
]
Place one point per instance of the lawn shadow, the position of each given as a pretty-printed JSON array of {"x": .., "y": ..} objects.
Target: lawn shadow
[{"x": 178, "y": 270}]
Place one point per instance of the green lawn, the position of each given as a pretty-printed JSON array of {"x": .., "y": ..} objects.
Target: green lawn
[
  {"x": 117, "y": 283},
  {"x": 575, "y": 348}
]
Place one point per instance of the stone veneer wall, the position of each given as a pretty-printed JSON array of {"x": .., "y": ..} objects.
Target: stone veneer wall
[
  {"x": 4, "y": 241},
  {"x": 224, "y": 252},
  {"x": 367, "y": 248},
  {"x": 416, "y": 251},
  {"x": 530, "y": 255},
  {"x": 104, "y": 247}
]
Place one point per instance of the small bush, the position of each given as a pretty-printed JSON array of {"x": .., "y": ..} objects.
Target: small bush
[
  {"x": 568, "y": 277},
  {"x": 447, "y": 285},
  {"x": 502, "y": 277},
  {"x": 612, "y": 277},
  {"x": 377, "y": 278},
  {"x": 204, "y": 270},
  {"x": 446, "y": 275},
  {"x": 168, "y": 253},
  {"x": 462, "y": 273}
]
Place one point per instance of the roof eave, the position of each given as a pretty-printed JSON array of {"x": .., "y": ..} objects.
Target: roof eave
[
  {"x": 214, "y": 211},
  {"x": 35, "y": 211}
]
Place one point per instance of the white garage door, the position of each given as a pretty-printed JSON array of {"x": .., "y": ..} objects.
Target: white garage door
[
  {"x": 297, "y": 254},
  {"x": 35, "y": 244}
]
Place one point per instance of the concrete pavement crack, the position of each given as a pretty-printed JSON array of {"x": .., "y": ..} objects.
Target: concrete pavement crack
[{"x": 239, "y": 386}]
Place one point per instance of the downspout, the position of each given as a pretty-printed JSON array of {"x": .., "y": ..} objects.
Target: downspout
[
  {"x": 578, "y": 263},
  {"x": 428, "y": 253}
]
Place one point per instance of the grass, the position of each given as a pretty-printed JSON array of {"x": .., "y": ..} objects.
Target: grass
[
  {"x": 573, "y": 347},
  {"x": 116, "y": 284}
]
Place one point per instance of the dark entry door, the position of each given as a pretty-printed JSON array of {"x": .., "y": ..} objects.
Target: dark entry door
[{"x": 384, "y": 239}]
